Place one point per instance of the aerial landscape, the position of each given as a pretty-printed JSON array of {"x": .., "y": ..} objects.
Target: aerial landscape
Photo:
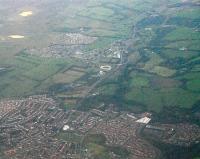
[{"x": 100, "y": 79}]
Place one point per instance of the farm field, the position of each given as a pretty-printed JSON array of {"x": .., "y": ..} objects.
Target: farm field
[
  {"x": 166, "y": 38},
  {"x": 111, "y": 64},
  {"x": 32, "y": 74}
]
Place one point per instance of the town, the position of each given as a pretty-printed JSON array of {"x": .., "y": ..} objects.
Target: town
[{"x": 30, "y": 128}]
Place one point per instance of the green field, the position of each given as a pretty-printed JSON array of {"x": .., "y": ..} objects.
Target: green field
[
  {"x": 162, "y": 68},
  {"x": 69, "y": 136},
  {"x": 109, "y": 21},
  {"x": 96, "y": 145},
  {"x": 170, "y": 71},
  {"x": 194, "y": 85},
  {"x": 155, "y": 100},
  {"x": 189, "y": 13},
  {"x": 27, "y": 74},
  {"x": 183, "y": 33},
  {"x": 108, "y": 89},
  {"x": 139, "y": 81},
  {"x": 159, "y": 69}
]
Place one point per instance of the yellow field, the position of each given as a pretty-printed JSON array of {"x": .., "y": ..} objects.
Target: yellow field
[
  {"x": 16, "y": 36},
  {"x": 26, "y": 13},
  {"x": 68, "y": 76}
]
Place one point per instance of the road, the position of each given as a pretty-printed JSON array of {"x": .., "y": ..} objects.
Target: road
[{"x": 123, "y": 62}]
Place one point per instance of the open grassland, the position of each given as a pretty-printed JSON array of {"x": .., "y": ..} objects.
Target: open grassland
[
  {"x": 30, "y": 74},
  {"x": 173, "y": 54},
  {"x": 108, "y": 89},
  {"x": 67, "y": 77},
  {"x": 153, "y": 66},
  {"x": 194, "y": 85},
  {"x": 100, "y": 13},
  {"x": 154, "y": 60},
  {"x": 171, "y": 71},
  {"x": 44, "y": 70},
  {"x": 26, "y": 73},
  {"x": 192, "y": 45},
  {"x": 183, "y": 33},
  {"x": 96, "y": 145},
  {"x": 139, "y": 81},
  {"x": 98, "y": 151},
  {"x": 184, "y": 43},
  {"x": 155, "y": 100},
  {"x": 168, "y": 70},
  {"x": 163, "y": 71},
  {"x": 191, "y": 13},
  {"x": 110, "y": 20},
  {"x": 189, "y": 76}
]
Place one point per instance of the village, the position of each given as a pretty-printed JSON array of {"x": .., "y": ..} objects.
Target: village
[{"x": 72, "y": 47}]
